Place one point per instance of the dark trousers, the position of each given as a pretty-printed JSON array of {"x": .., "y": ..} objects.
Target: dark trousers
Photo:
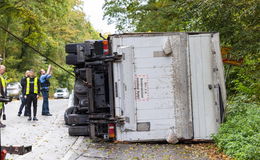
[
  {"x": 32, "y": 99},
  {"x": 23, "y": 105},
  {"x": 1, "y": 112},
  {"x": 45, "y": 103}
]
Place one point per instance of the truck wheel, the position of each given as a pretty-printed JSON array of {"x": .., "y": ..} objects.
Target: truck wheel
[
  {"x": 68, "y": 111},
  {"x": 79, "y": 130}
]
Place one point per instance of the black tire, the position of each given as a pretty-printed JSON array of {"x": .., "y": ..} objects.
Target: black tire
[
  {"x": 79, "y": 130},
  {"x": 68, "y": 111}
]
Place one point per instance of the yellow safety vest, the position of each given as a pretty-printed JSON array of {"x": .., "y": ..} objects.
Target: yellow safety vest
[
  {"x": 35, "y": 84},
  {"x": 4, "y": 88}
]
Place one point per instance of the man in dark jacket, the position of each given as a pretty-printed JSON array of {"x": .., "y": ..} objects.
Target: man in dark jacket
[
  {"x": 32, "y": 92},
  {"x": 23, "y": 100}
]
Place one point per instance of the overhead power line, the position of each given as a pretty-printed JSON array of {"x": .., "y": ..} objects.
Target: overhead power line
[{"x": 34, "y": 49}]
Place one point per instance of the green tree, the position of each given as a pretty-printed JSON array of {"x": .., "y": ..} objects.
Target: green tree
[
  {"x": 47, "y": 26},
  {"x": 237, "y": 22}
]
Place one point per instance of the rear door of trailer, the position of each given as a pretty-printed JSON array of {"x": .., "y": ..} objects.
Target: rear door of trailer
[{"x": 206, "y": 116}]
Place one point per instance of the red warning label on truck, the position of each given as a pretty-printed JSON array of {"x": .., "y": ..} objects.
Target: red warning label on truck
[{"x": 141, "y": 88}]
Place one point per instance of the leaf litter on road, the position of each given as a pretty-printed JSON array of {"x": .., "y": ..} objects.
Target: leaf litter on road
[{"x": 150, "y": 151}]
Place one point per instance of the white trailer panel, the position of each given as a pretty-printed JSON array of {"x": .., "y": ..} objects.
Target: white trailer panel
[
  {"x": 162, "y": 85},
  {"x": 202, "y": 96}
]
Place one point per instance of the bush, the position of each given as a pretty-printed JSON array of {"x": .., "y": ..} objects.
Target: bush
[{"x": 239, "y": 136}]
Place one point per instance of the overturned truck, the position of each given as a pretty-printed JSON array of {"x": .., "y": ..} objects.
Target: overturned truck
[{"x": 147, "y": 87}]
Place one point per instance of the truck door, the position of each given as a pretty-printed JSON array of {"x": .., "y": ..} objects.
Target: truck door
[
  {"x": 124, "y": 83},
  {"x": 203, "y": 100}
]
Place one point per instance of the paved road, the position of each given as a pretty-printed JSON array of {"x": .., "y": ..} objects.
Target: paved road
[
  {"x": 88, "y": 150},
  {"x": 48, "y": 136},
  {"x": 50, "y": 140}
]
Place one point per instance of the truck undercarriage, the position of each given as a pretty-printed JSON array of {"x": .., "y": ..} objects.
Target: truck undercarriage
[{"x": 93, "y": 111}]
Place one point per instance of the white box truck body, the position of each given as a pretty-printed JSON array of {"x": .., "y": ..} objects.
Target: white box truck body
[{"x": 166, "y": 86}]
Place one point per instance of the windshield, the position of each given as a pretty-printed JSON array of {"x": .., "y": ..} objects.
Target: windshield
[
  {"x": 59, "y": 90},
  {"x": 13, "y": 85}
]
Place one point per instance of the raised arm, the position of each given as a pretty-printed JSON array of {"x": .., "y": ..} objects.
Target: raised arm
[{"x": 49, "y": 69}]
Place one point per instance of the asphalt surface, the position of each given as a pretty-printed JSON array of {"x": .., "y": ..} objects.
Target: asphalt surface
[
  {"x": 48, "y": 136},
  {"x": 50, "y": 140}
]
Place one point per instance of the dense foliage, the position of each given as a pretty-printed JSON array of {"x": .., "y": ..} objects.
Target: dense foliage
[
  {"x": 46, "y": 25},
  {"x": 239, "y": 136},
  {"x": 238, "y": 24}
]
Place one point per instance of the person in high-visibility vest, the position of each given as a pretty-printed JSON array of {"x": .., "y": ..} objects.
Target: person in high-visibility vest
[
  {"x": 32, "y": 91},
  {"x": 3, "y": 92},
  {"x": 23, "y": 100}
]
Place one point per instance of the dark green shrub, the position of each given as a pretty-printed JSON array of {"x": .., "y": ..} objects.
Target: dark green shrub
[{"x": 239, "y": 136}]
